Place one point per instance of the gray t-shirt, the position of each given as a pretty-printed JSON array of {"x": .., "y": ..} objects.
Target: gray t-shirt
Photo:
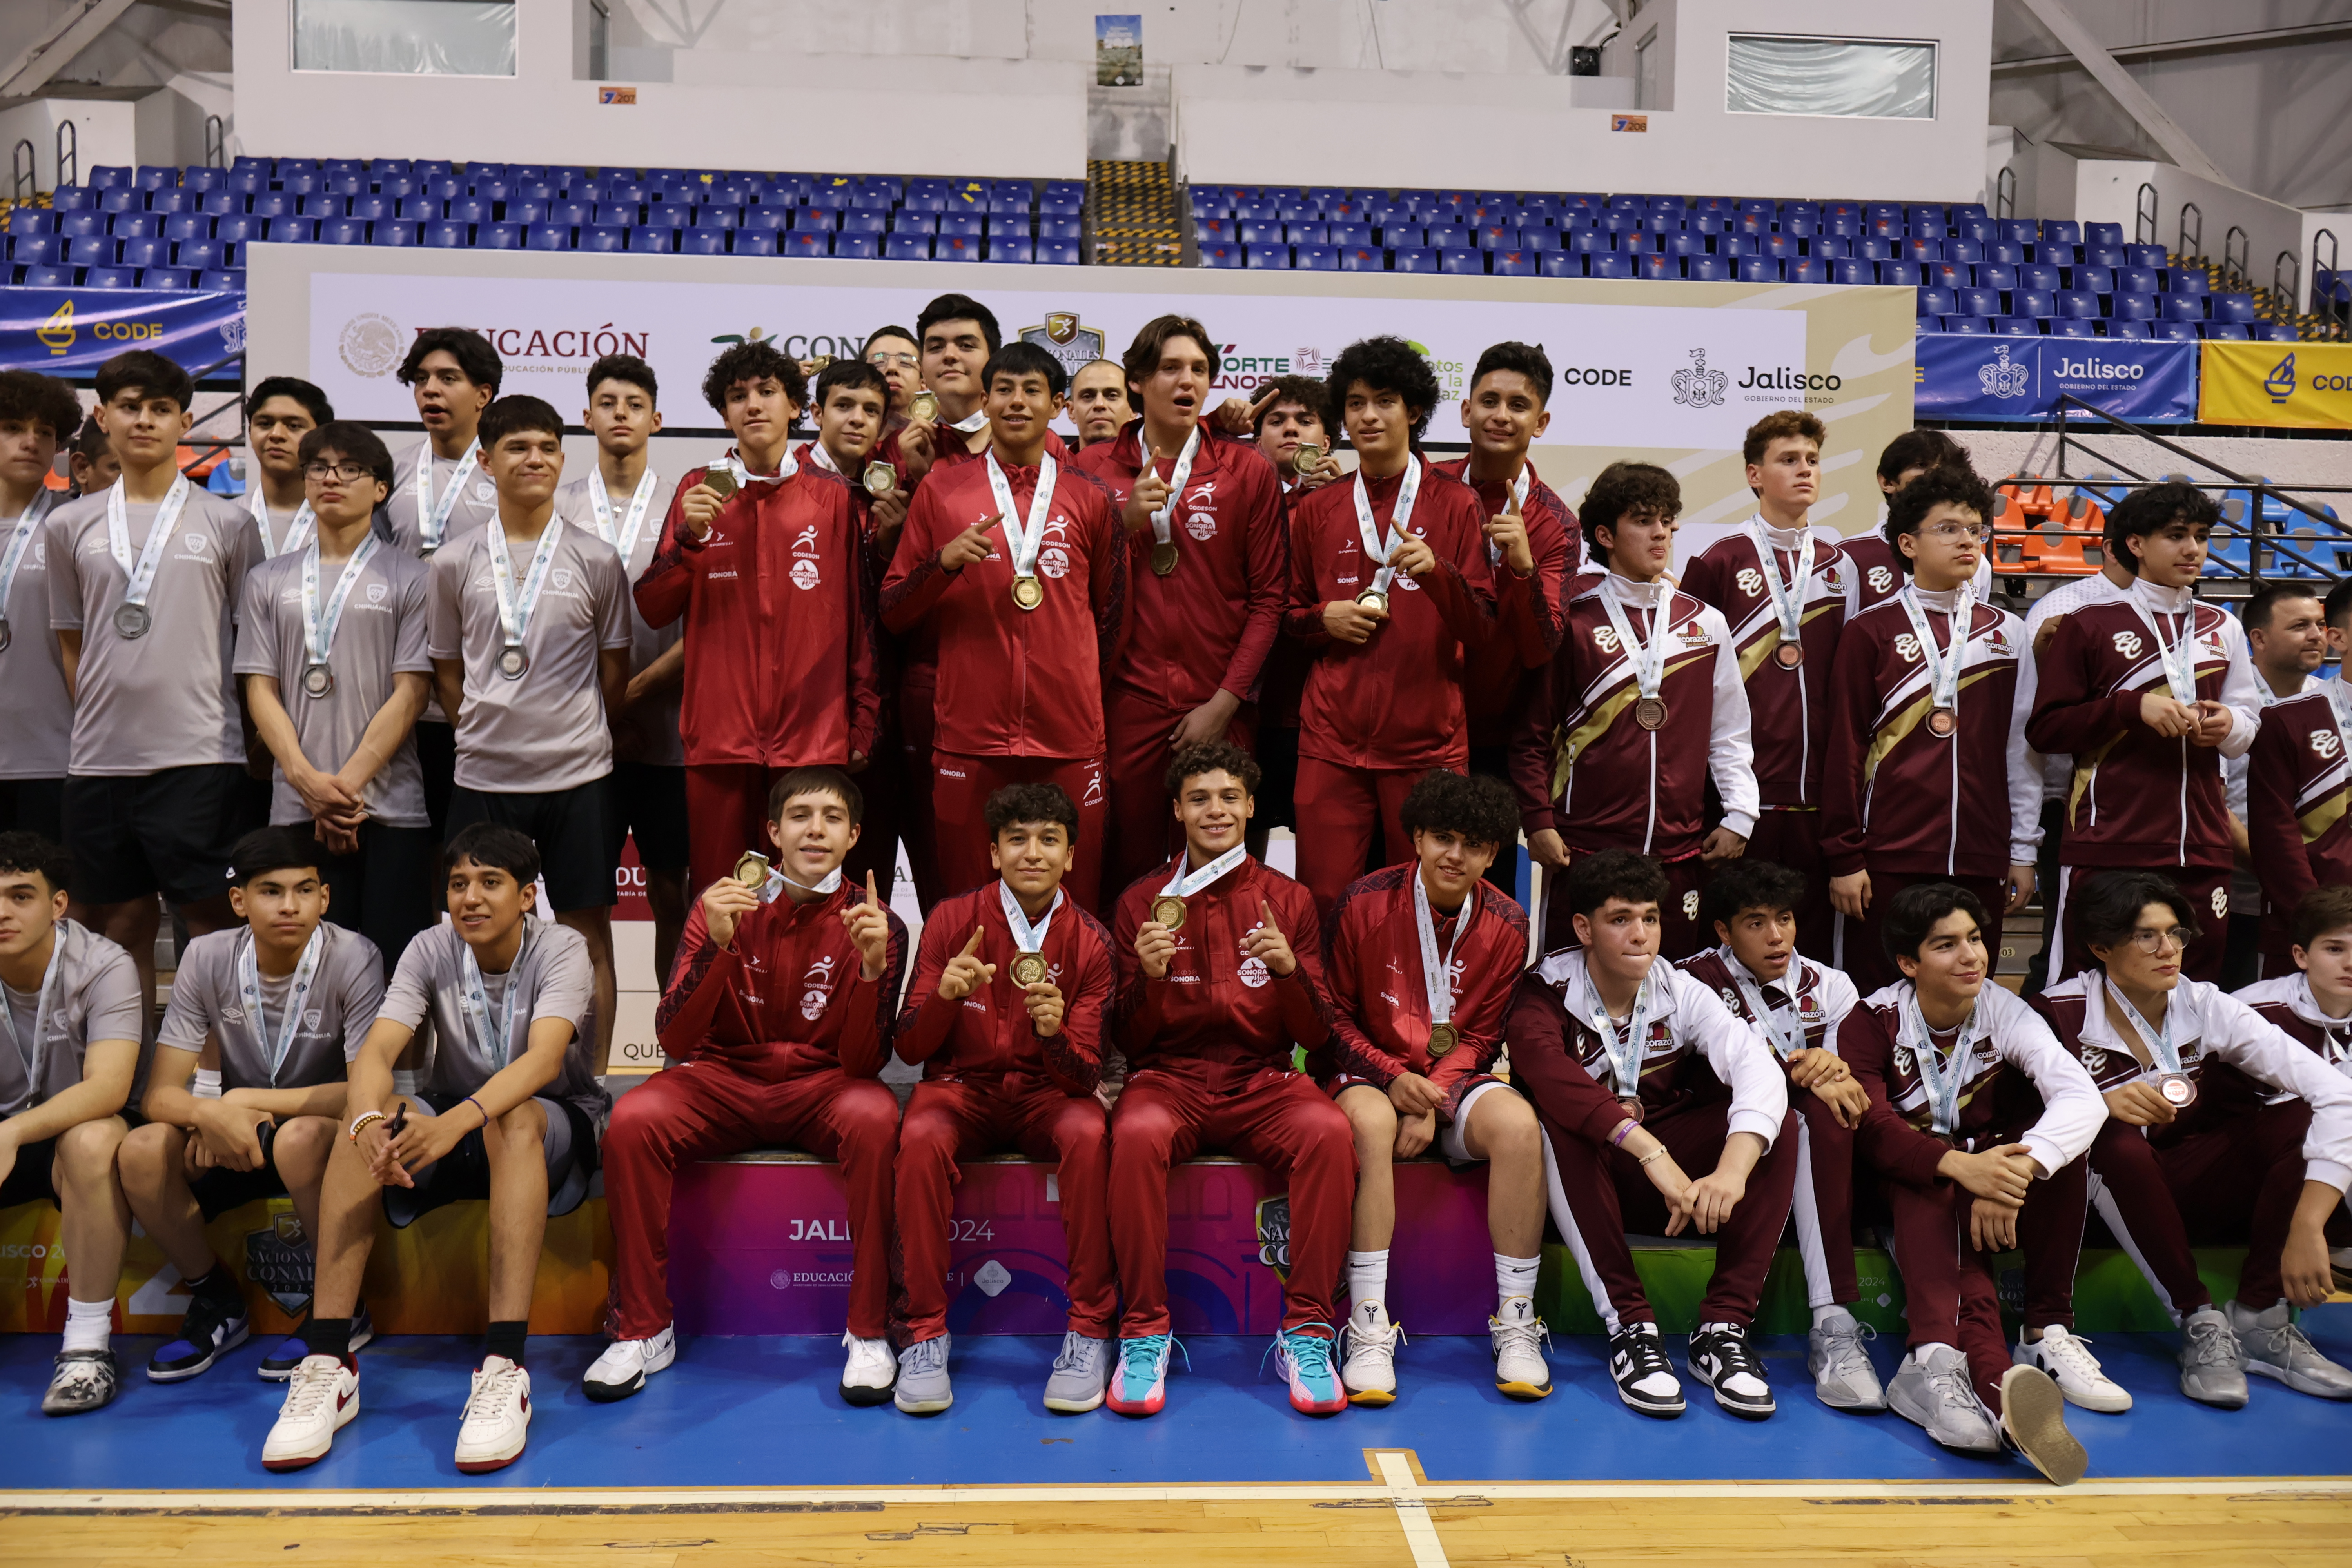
[
  {"x": 647, "y": 643},
  {"x": 427, "y": 991},
  {"x": 474, "y": 507},
  {"x": 97, "y": 998},
  {"x": 35, "y": 714},
  {"x": 166, "y": 699},
  {"x": 382, "y": 634},
  {"x": 336, "y": 1012},
  {"x": 547, "y": 730}
]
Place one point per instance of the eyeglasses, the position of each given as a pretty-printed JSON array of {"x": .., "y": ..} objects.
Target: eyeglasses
[
  {"x": 1953, "y": 533},
  {"x": 884, "y": 362},
  {"x": 339, "y": 473},
  {"x": 2148, "y": 941}
]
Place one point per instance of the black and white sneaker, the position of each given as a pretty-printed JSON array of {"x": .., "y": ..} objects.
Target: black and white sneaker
[
  {"x": 85, "y": 1380},
  {"x": 1646, "y": 1379},
  {"x": 213, "y": 1326},
  {"x": 1721, "y": 1357},
  {"x": 278, "y": 1365}
]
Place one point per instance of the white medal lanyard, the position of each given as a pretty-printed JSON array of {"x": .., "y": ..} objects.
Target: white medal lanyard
[
  {"x": 823, "y": 459},
  {"x": 433, "y": 517},
  {"x": 975, "y": 420},
  {"x": 279, "y": 1047},
  {"x": 37, "y": 1060},
  {"x": 298, "y": 533},
  {"x": 1787, "y": 602},
  {"x": 516, "y": 605},
  {"x": 624, "y": 540},
  {"x": 1518, "y": 505},
  {"x": 1025, "y": 539},
  {"x": 1787, "y": 1032},
  {"x": 1163, "y": 519},
  {"x": 1625, "y": 1048},
  {"x": 1184, "y": 884},
  {"x": 2163, "y": 1051},
  {"x": 495, "y": 1031},
  {"x": 1648, "y": 660},
  {"x": 785, "y": 469},
  {"x": 1027, "y": 938},
  {"x": 150, "y": 554},
  {"x": 1436, "y": 969},
  {"x": 1944, "y": 664},
  {"x": 1941, "y": 1078},
  {"x": 773, "y": 886},
  {"x": 319, "y": 624},
  {"x": 2179, "y": 659},
  {"x": 19, "y": 545},
  {"x": 1378, "y": 550}
]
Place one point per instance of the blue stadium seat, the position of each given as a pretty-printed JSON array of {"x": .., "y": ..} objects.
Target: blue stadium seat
[
  {"x": 135, "y": 225},
  {"x": 1413, "y": 258},
  {"x": 859, "y": 247},
  {"x": 1806, "y": 269},
  {"x": 1607, "y": 264},
  {"x": 2002, "y": 253},
  {"x": 343, "y": 231},
  {"x": 49, "y": 275},
  {"x": 1927, "y": 324},
  {"x": 109, "y": 176},
  {"x": 201, "y": 180},
  {"x": 2184, "y": 307},
  {"x": 1072, "y": 228},
  {"x": 1759, "y": 269},
  {"x": 2055, "y": 255},
  {"x": 702, "y": 242},
  {"x": 1362, "y": 259},
  {"x": 145, "y": 251},
  {"x": 2121, "y": 329},
  {"x": 2094, "y": 279},
  {"x": 925, "y": 223},
  {"x": 1707, "y": 269},
  {"x": 393, "y": 231},
  {"x": 648, "y": 240},
  {"x": 2038, "y": 303},
  {"x": 1964, "y": 250},
  {"x": 1560, "y": 263},
  {"x": 2189, "y": 281},
  {"x": 271, "y": 203},
  {"x": 445, "y": 235},
  {"x": 2232, "y": 307},
  {"x": 1317, "y": 258},
  {"x": 2271, "y": 333},
  {"x": 958, "y": 248},
  {"x": 1976, "y": 326},
  {"x": 1450, "y": 236},
  {"x": 1875, "y": 250},
  {"x": 2103, "y": 234},
  {"x": 799, "y": 242},
  {"x": 168, "y": 279},
  {"x": 2103, "y": 256},
  {"x": 1851, "y": 271},
  {"x": 2228, "y": 331},
  {"x": 32, "y": 220},
  {"x": 752, "y": 242},
  {"x": 367, "y": 209},
  {"x": 2079, "y": 304},
  {"x": 1463, "y": 261},
  {"x": 34, "y": 250},
  {"x": 2072, "y": 327},
  {"x": 93, "y": 250},
  {"x": 2016, "y": 327},
  {"x": 1276, "y": 255},
  {"x": 2040, "y": 276},
  {"x": 964, "y": 226},
  {"x": 1306, "y": 234},
  {"x": 1937, "y": 303},
  {"x": 906, "y": 247},
  {"x": 1070, "y": 253},
  {"x": 2171, "y": 330},
  {"x": 1899, "y": 272},
  {"x": 2144, "y": 256},
  {"x": 325, "y": 207},
  {"x": 547, "y": 236},
  {"x": 1259, "y": 231},
  {"x": 81, "y": 224},
  {"x": 109, "y": 277},
  {"x": 1222, "y": 253}
]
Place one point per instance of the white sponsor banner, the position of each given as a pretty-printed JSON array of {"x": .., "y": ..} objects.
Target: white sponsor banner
[{"x": 1630, "y": 375}]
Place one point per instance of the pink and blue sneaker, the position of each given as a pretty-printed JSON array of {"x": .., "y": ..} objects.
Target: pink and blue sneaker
[
  {"x": 1304, "y": 1357},
  {"x": 1139, "y": 1384}
]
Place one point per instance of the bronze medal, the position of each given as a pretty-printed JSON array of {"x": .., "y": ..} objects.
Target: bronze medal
[
  {"x": 1790, "y": 655},
  {"x": 720, "y": 479},
  {"x": 1028, "y": 968},
  {"x": 1169, "y": 910},
  {"x": 752, "y": 870},
  {"x": 819, "y": 362},
  {"x": 1373, "y": 599},
  {"x": 1941, "y": 722},
  {"x": 924, "y": 407},
  {"x": 1163, "y": 557},
  {"x": 880, "y": 479},
  {"x": 1307, "y": 458},
  {"x": 1632, "y": 1108},
  {"x": 2178, "y": 1091},
  {"x": 1650, "y": 712},
  {"x": 1028, "y": 592},
  {"x": 1443, "y": 1038}
]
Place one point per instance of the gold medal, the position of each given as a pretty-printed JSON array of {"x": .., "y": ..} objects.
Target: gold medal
[
  {"x": 1650, "y": 712},
  {"x": 817, "y": 363},
  {"x": 1373, "y": 599},
  {"x": 1163, "y": 557},
  {"x": 1028, "y": 968},
  {"x": 1169, "y": 910},
  {"x": 1307, "y": 458},
  {"x": 1028, "y": 592},
  {"x": 1941, "y": 722},
  {"x": 923, "y": 406},
  {"x": 721, "y": 480},
  {"x": 1443, "y": 1038},
  {"x": 880, "y": 479},
  {"x": 753, "y": 869},
  {"x": 1790, "y": 655}
]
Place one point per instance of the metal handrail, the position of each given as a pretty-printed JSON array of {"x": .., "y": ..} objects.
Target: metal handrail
[
  {"x": 215, "y": 141},
  {"x": 2237, "y": 253},
  {"x": 68, "y": 150},
  {"x": 2291, "y": 290},
  {"x": 2005, "y": 192},
  {"x": 2192, "y": 242},
  {"x": 2144, "y": 215},
  {"x": 25, "y": 169}
]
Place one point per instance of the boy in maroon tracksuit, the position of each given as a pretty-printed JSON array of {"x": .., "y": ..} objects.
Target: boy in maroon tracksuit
[
  {"x": 764, "y": 565},
  {"x": 778, "y": 1015},
  {"x": 1872, "y": 577},
  {"x": 1928, "y": 776},
  {"x": 1390, "y": 587},
  {"x": 2147, "y": 694},
  {"x": 2299, "y": 792},
  {"x": 1019, "y": 566},
  {"x": 1641, "y": 708},
  {"x": 1208, "y": 573},
  {"x": 1221, "y": 979},
  {"x": 1781, "y": 588},
  {"x": 1006, "y": 1016}
]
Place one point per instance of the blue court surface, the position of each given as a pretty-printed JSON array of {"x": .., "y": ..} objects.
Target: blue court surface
[{"x": 766, "y": 1412}]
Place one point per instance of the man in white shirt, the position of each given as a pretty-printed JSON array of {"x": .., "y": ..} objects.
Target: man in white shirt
[{"x": 277, "y": 414}]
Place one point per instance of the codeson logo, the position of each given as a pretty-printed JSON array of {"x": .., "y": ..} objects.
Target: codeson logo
[
  {"x": 58, "y": 333},
  {"x": 1274, "y": 1233}
]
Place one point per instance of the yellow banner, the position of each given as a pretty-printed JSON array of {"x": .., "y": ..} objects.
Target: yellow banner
[{"x": 2303, "y": 385}]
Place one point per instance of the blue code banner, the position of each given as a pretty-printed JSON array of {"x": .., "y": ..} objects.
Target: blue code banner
[
  {"x": 72, "y": 331},
  {"x": 1973, "y": 377}
]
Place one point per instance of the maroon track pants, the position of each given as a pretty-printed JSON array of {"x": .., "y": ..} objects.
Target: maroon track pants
[
  {"x": 961, "y": 786},
  {"x": 1822, "y": 1205},
  {"x": 1142, "y": 833},
  {"x": 2240, "y": 1179},
  {"x": 1344, "y": 815}
]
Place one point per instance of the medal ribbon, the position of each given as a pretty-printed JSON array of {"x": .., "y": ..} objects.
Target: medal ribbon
[
  {"x": 745, "y": 477},
  {"x": 515, "y": 606},
  {"x": 1625, "y": 1050},
  {"x": 1942, "y": 1078},
  {"x": 1026, "y": 937},
  {"x": 1518, "y": 504},
  {"x": 297, "y": 531},
  {"x": 150, "y": 554},
  {"x": 1178, "y": 477},
  {"x": 476, "y": 997},
  {"x": 1648, "y": 661},
  {"x": 1787, "y": 602},
  {"x": 2160, "y": 1043},
  {"x": 1376, "y": 549},
  {"x": 37, "y": 1060},
  {"x": 432, "y": 517},
  {"x": 1437, "y": 973},
  {"x": 625, "y": 540},
  {"x": 773, "y": 888},
  {"x": 2180, "y": 657},
  {"x": 1943, "y": 664},
  {"x": 1025, "y": 539},
  {"x": 319, "y": 625},
  {"x": 1184, "y": 884},
  {"x": 975, "y": 420},
  {"x": 20, "y": 541},
  {"x": 1787, "y": 1032},
  {"x": 248, "y": 989}
]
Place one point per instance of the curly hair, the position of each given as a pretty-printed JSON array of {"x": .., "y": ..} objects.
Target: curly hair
[
  {"x": 1209, "y": 757},
  {"x": 1482, "y": 810},
  {"x": 754, "y": 362},
  {"x": 40, "y": 400},
  {"x": 1780, "y": 424},
  {"x": 1386, "y": 364},
  {"x": 1305, "y": 391},
  {"x": 1030, "y": 803},
  {"x": 1909, "y": 507},
  {"x": 1608, "y": 874},
  {"x": 1620, "y": 489},
  {"x": 21, "y": 851},
  {"x": 2154, "y": 506},
  {"x": 475, "y": 356}
]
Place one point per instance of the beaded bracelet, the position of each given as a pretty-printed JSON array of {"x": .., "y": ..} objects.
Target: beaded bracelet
[{"x": 359, "y": 1124}]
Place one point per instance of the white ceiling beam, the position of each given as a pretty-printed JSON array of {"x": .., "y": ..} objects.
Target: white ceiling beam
[
  {"x": 30, "y": 71},
  {"x": 2177, "y": 145}
]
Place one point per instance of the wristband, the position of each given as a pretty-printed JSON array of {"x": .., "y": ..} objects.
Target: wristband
[
  {"x": 1657, "y": 1153},
  {"x": 359, "y": 1123},
  {"x": 478, "y": 1105},
  {"x": 1624, "y": 1130}
]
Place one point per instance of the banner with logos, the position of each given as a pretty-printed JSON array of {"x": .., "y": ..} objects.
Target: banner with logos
[
  {"x": 1670, "y": 373},
  {"x": 72, "y": 331},
  {"x": 2304, "y": 385},
  {"x": 1983, "y": 377}
]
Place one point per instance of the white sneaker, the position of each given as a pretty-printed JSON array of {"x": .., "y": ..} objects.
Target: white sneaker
[
  {"x": 2069, "y": 1362},
  {"x": 872, "y": 1371},
  {"x": 625, "y": 1364},
  {"x": 322, "y": 1394},
  {"x": 1368, "y": 1371},
  {"x": 1517, "y": 1336},
  {"x": 497, "y": 1417}
]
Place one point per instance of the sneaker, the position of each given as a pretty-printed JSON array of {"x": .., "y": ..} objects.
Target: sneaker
[
  {"x": 1931, "y": 1390},
  {"x": 213, "y": 1326},
  {"x": 2067, "y": 1358},
  {"x": 922, "y": 1388},
  {"x": 1517, "y": 1337},
  {"x": 498, "y": 1418},
  {"x": 1303, "y": 1360},
  {"x": 1080, "y": 1375},
  {"x": 2212, "y": 1361},
  {"x": 85, "y": 1380},
  {"x": 1843, "y": 1378},
  {"x": 280, "y": 1364},
  {"x": 871, "y": 1371},
  {"x": 1721, "y": 1357},
  {"x": 2275, "y": 1347},
  {"x": 1368, "y": 1369},
  {"x": 625, "y": 1364},
  {"x": 1139, "y": 1384},
  {"x": 2033, "y": 1421},
  {"x": 322, "y": 1394},
  {"x": 1646, "y": 1379}
]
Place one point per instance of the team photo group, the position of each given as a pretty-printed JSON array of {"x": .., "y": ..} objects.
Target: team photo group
[{"x": 379, "y": 730}]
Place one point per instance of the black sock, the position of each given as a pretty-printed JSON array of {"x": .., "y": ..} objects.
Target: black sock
[
  {"x": 329, "y": 1336},
  {"x": 506, "y": 1340},
  {"x": 218, "y": 1284}
]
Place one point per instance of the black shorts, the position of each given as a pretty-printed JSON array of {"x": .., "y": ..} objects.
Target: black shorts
[
  {"x": 648, "y": 802},
  {"x": 437, "y": 759},
  {"x": 576, "y": 853},
  {"x": 220, "y": 1189},
  {"x": 30, "y": 1181},
  {"x": 1278, "y": 763},
  {"x": 385, "y": 890},
  {"x": 170, "y": 832},
  {"x": 34, "y": 806},
  {"x": 465, "y": 1170}
]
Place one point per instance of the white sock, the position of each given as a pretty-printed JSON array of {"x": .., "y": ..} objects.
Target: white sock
[
  {"x": 1824, "y": 1316},
  {"x": 1515, "y": 1277},
  {"x": 87, "y": 1324},
  {"x": 1368, "y": 1278}
]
